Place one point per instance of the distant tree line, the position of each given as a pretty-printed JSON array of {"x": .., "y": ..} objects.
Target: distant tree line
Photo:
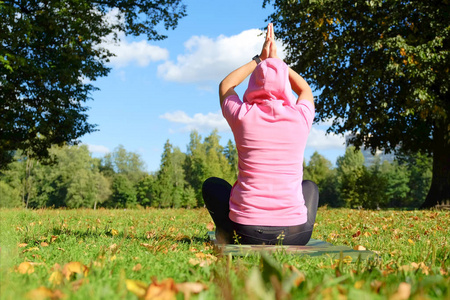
[
  {"x": 72, "y": 178},
  {"x": 403, "y": 183}
]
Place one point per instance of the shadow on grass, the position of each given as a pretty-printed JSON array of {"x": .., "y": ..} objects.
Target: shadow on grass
[{"x": 175, "y": 238}]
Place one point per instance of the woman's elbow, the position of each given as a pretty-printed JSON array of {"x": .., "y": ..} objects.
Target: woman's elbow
[
  {"x": 224, "y": 87},
  {"x": 221, "y": 84}
]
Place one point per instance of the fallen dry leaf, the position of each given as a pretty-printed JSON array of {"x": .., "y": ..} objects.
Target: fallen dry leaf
[
  {"x": 300, "y": 276},
  {"x": 403, "y": 292},
  {"x": 376, "y": 285},
  {"x": 359, "y": 248},
  {"x": 358, "y": 233},
  {"x": 56, "y": 278},
  {"x": 150, "y": 234},
  {"x": 112, "y": 247},
  {"x": 148, "y": 246},
  {"x": 42, "y": 293},
  {"x": 359, "y": 284},
  {"x": 44, "y": 244},
  {"x": 174, "y": 247},
  {"x": 137, "y": 267},
  {"x": 22, "y": 245},
  {"x": 25, "y": 268},
  {"x": 114, "y": 232},
  {"x": 136, "y": 287},
  {"x": 73, "y": 268},
  {"x": 405, "y": 268},
  {"x": 422, "y": 266},
  {"x": 346, "y": 260},
  {"x": 194, "y": 261},
  {"x": 188, "y": 288},
  {"x": 202, "y": 259},
  {"x": 31, "y": 249},
  {"x": 210, "y": 226},
  {"x": 164, "y": 290}
]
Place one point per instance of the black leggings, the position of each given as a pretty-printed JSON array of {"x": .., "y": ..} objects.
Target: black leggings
[{"x": 216, "y": 194}]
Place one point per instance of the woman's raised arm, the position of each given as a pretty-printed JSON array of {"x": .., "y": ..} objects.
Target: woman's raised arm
[
  {"x": 300, "y": 87},
  {"x": 235, "y": 78}
]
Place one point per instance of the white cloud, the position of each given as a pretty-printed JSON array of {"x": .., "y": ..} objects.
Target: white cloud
[
  {"x": 319, "y": 140},
  {"x": 114, "y": 17},
  {"x": 199, "y": 121},
  {"x": 98, "y": 149},
  {"x": 137, "y": 52},
  {"x": 327, "y": 122},
  {"x": 207, "y": 59}
]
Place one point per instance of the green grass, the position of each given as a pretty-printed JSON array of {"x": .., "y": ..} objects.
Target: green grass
[{"x": 155, "y": 245}]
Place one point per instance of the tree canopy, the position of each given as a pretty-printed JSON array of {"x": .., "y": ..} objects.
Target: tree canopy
[
  {"x": 50, "y": 51},
  {"x": 381, "y": 68}
]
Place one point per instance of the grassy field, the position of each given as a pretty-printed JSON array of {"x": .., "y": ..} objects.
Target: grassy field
[{"x": 126, "y": 254}]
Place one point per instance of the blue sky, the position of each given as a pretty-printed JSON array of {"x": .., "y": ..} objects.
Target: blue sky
[{"x": 159, "y": 90}]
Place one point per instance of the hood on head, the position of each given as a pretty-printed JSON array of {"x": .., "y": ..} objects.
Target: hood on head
[{"x": 270, "y": 81}]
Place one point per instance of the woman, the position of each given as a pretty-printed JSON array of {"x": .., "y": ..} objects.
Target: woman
[{"x": 269, "y": 203}]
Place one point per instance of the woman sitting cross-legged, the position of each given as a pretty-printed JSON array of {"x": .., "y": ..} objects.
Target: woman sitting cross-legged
[{"x": 269, "y": 203}]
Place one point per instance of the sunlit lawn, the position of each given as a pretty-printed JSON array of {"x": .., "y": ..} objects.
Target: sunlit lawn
[{"x": 119, "y": 254}]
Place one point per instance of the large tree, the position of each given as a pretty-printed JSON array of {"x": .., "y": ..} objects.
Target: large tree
[
  {"x": 170, "y": 180},
  {"x": 72, "y": 181},
  {"x": 381, "y": 70},
  {"x": 121, "y": 161},
  {"x": 50, "y": 51},
  {"x": 320, "y": 170},
  {"x": 195, "y": 164}
]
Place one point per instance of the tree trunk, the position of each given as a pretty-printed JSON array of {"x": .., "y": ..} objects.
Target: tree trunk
[
  {"x": 28, "y": 184},
  {"x": 439, "y": 192}
]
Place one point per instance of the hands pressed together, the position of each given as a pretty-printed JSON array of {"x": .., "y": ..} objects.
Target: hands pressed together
[{"x": 269, "y": 48}]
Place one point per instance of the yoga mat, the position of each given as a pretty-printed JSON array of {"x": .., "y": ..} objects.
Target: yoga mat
[{"x": 313, "y": 248}]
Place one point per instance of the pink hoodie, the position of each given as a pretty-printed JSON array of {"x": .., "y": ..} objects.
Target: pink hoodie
[
  {"x": 270, "y": 131},
  {"x": 270, "y": 81}
]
